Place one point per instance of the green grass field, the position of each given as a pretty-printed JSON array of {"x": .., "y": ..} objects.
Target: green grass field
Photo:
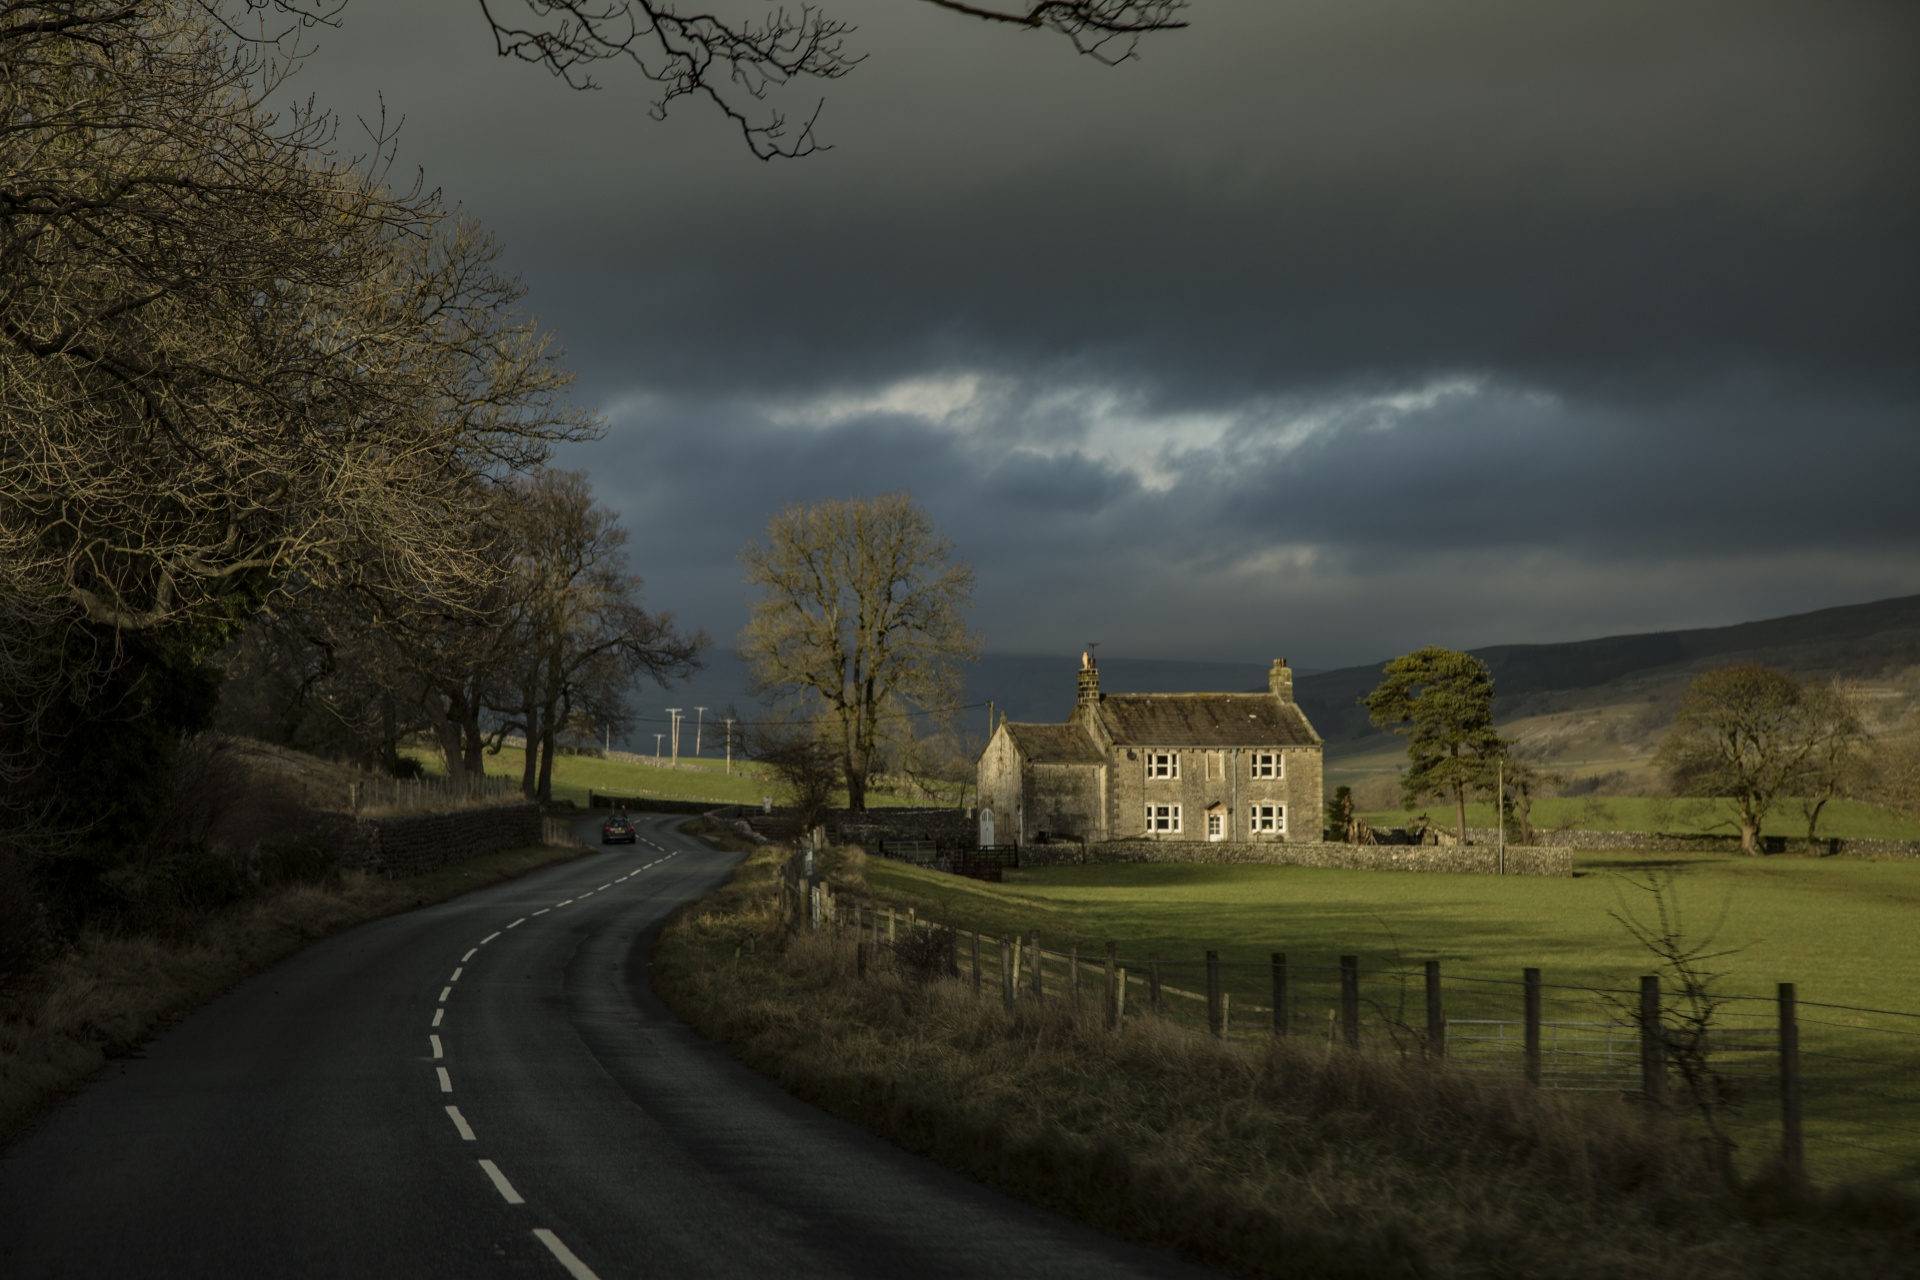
[
  {"x": 1844, "y": 930},
  {"x": 1850, "y": 819},
  {"x": 575, "y": 776}
]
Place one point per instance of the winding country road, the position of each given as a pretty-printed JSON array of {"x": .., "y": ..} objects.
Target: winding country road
[{"x": 488, "y": 1087}]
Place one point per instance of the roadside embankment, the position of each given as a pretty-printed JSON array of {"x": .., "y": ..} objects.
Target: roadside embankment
[{"x": 1283, "y": 1158}]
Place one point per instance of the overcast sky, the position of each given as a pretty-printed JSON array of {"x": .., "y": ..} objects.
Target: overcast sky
[{"x": 1322, "y": 329}]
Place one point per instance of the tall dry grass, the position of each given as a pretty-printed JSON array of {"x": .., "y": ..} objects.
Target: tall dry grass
[{"x": 1287, "y": 1159}]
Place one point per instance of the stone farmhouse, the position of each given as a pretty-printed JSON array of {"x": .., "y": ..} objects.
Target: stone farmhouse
[{"x": 1238, "y": 767}]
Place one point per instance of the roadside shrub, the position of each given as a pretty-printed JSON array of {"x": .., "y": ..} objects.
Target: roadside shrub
[
  {"x": 304, "y": 861},
  {"x": 26, "y": 937},
  {"x": 926, "y": 954}
]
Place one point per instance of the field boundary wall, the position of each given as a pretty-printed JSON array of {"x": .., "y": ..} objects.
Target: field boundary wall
[
  {"x": 1471, "y": 859},
  {"x": 407, "y": 846},
  {"x": 1654, "y": 841}
]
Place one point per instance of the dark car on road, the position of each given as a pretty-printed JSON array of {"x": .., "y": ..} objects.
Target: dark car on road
[{"x": 618, "y": 829}]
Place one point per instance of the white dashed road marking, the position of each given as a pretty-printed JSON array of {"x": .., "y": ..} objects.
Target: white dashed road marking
[
  {"x": 437, "y": 1015},
  {"x": 517, "y": 923},
  {"x": 490, "y": 937},
  {"x": 542, "y": 911},
  {"x": 500, "y": 1183},
  {"x": 575, "y": 1268},
  {"x": 436, "y": 1047},
  {"x": 446, "y": 1081},
  {"x": 456, "y": 974},
  {"x": 444, "y": 993},
  {"x": 460, "y": 1123},
  {"x": 470, "y": 955}
]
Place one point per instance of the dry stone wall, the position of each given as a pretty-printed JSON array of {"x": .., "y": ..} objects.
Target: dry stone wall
[
  {"x": 1472, "y": 859},
  {"x": 420, "y": 842},
  {"x": 1653, "y": 841}
]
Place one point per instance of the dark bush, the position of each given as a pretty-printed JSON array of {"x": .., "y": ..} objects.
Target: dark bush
[
  {"x": 926, "y": 954},
  {"x": 26, "y": 937},
  {"x": 295, "y": 862}
]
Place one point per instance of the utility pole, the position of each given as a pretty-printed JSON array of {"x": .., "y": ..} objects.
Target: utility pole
[
  {"x": 656, "y": 747},
  {"x": 696, "y": 729},
  {"x": 729, "y": 746},
  {"x": 675, "y": 713},
  {"x": 1500, "y": 808},
  {"x": 989, "y": 719}
]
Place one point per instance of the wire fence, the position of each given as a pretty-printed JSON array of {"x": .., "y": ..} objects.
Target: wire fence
[{"x": 1827, "y": 1092}]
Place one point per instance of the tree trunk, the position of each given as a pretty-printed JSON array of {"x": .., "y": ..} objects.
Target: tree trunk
[
  {"x": 529, "y": 765},
  {"x": 1749, "y": 835},
  {"x": 1813, "y": 819},
  {"x": 1460, "y": 812},
  {"x": 546, "y": 763}
]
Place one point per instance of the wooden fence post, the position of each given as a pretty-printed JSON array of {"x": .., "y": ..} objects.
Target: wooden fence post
[
  {"x": 1213, "y": 993},
  {"x": 1006, "y": 972},
  {"x": 1113, "y": 995},
  {"x": 1436, "y": 1015},
  {"x": 1280, "y": 1019},
  {"x": 1793, "y": 1153},
  {"x": 1350, "y": 1000},
  {"x": 1018, "y": 946},
  {"x": 1120, "y": 1010},
  {"x": 1153, "y": 983},
  {"x": 1073, "y": 973},
  {"x": 1530, "y": 978},
  {"x": 953, "y": 955},
  {"x": 1039, "y": 967},
  {"x": 1653, "y": 1043},
  {"x": 889, "y": 924},
  {"x": 976, "y": 960}
]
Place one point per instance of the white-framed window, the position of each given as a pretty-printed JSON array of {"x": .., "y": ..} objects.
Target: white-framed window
[
  {"x": 1268, "y": 764},
  {"x": 1267, "y": 819},
  {"x": 1163, "y": 764},
  {"x": 1163, "y": 819},
  {"x": 1216, "y": 825}
]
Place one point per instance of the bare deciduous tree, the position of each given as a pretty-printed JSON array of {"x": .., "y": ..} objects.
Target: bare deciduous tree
[
  {"x": 738, "y": 64},
  {"x": 1751, "y": 736},
  {"x": 860, "y": 619},
  {"x": 581, "y": 636}
]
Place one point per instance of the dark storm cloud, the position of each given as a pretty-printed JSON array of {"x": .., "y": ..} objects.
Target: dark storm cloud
[{"x": 1532, "y": 320}]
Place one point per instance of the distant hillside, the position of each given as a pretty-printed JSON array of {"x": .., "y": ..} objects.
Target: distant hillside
[{"x": 1866, "y": 642}]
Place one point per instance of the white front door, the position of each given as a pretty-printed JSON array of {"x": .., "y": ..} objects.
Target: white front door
[{"x": 986, "y": 828}]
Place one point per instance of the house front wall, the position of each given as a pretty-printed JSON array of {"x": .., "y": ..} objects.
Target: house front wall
[{"x": 1221, "y": 780}]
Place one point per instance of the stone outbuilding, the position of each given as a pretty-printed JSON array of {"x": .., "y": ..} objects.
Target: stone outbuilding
[{"x": 1241, "y": 767}]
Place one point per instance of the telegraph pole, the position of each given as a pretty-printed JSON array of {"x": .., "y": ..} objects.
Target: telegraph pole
[
  {"x": 656, "y": 747},
  {"x": 675, "y": 727},
  {"x": 729, "y": 746},
  {"x": 700, "y": 720}
]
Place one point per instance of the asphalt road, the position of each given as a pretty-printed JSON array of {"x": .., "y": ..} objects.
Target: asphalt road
[{"x": 488, "y": 1087}]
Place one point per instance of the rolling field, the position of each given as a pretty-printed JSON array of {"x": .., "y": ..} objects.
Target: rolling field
[{"x": 1845, "y": 931}]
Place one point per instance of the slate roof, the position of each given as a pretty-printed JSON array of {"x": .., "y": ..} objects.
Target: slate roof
[
  {"x": 1054, "y": 743},
  {"x": 1205, "y": 720}
]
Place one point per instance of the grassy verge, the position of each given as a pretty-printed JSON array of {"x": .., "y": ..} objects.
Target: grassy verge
[
  {"x": 1277, "y": 1158},
  {"x": 112, "y": 991}
]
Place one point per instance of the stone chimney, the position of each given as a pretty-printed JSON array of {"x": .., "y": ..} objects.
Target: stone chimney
[
  {"x": 1089, "y": 680},
  {"x": 1280, "y": 680}
]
